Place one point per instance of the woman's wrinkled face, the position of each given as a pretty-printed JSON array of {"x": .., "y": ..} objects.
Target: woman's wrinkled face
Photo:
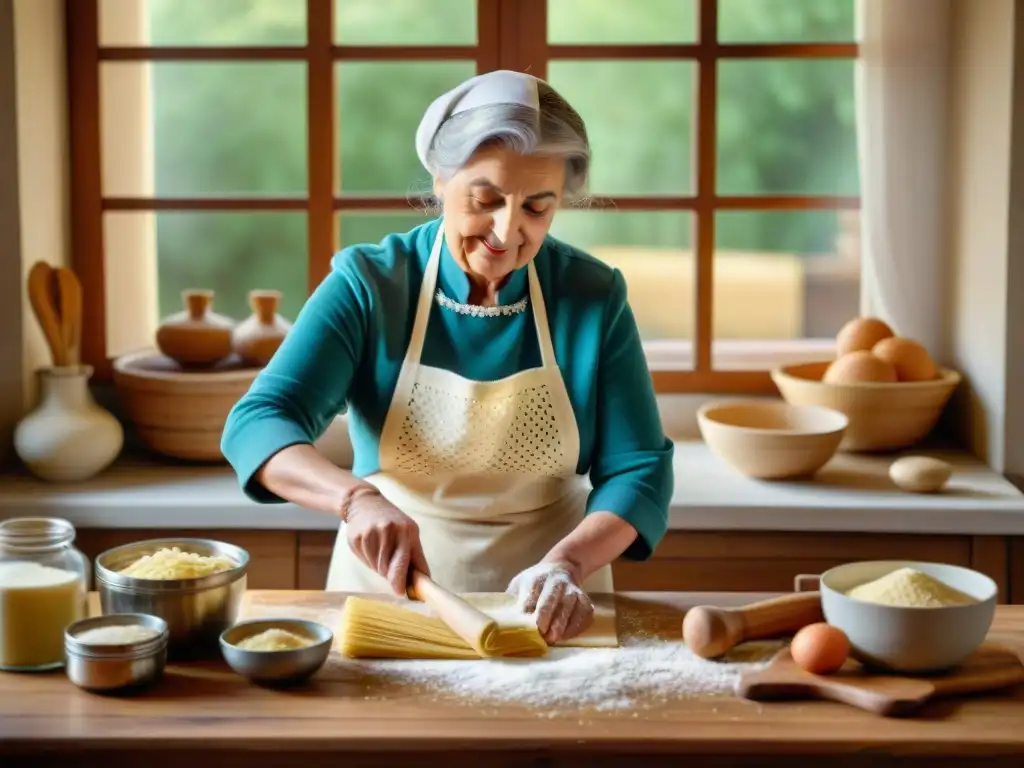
[{"x": 498, "y": 210}]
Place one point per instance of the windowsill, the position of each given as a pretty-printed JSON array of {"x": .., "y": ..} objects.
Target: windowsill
[
  {"x": 851, "y": 494},
  {"x": 739, "y": 354}
]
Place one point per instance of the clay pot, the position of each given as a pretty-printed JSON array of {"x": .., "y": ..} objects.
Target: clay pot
[
  {"x": 68, "y": 437},
  {"x": 257, "y": 339},
  {"x": 198, "y": 336}
]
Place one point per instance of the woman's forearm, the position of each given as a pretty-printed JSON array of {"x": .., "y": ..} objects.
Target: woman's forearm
[
  {"x": 598, "y": 540},
  {"x": 302, "y": 475}
]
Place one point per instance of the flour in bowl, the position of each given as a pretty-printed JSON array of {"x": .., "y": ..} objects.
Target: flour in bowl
[{"x": 909, "y": 588}]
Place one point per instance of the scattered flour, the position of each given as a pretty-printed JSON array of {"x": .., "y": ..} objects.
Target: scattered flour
[
  {"x": 645, "y": 672},
  {"x": 636, "y": 675}
]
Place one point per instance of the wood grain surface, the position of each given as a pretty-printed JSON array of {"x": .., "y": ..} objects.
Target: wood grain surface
[
  {"x": 989, "y": 668},
  {"x": 202, "y": 714}
]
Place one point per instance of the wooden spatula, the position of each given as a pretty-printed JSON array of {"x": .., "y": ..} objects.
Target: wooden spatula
[
  {"x": 69, "y": 309},
  {"x": 42, "y": 296}
]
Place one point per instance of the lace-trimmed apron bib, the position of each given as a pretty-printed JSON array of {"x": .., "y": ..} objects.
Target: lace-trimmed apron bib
[{"x": 486, "y": 469}]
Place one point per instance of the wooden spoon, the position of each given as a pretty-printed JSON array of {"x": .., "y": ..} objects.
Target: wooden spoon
[
  {"x": 41, "y": 284},
  {"x": 70, "y": 313}
]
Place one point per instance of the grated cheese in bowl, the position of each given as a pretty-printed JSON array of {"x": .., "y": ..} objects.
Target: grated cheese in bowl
[
  {"x": 172, "y": 563},
  {"x": 274, "y": 639}
]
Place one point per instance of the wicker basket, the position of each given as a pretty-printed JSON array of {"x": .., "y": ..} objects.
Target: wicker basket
[
  {"x": 177, "y": 412},
  {"x": 883, "y": 417}
]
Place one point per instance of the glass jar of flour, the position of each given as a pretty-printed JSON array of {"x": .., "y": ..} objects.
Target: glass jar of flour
[{"x": 43, "y": 588}]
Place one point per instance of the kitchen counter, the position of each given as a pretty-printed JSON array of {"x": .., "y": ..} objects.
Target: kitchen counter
[
  {"x": 202, "y": 714},
  {"x": 852, "y": 493}
]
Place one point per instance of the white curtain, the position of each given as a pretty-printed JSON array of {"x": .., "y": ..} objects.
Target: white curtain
[{"x": 901, "y": 93}]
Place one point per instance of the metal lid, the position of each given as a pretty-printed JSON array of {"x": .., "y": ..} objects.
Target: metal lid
[
  {"x": 132, "y": 650},
  {"x": 35, "y": 534}
]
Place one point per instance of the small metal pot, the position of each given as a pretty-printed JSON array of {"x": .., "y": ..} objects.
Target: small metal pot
[
  {"x": 115, "y": 668},
  {"x": 196, "y": 610}
]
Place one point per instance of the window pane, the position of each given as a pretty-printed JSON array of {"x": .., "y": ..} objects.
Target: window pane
[
  {"x": 613, "y": 21},
  {"x": 653, "y": 250},
  {"x": 641, "y": 138},
  {"x": 380, "y": 105},
  {"x": 785, "y": 275},
  {"x": 202, "y": 22},
  {"x": 787, "y": 127},
  {"x": 786, "y": 21},
  {"x": 370, "y": 227},
  {"x": 216, "y": 128},
  {"x": 230, "y": 253},
  {"x": 405, "y": 22}
]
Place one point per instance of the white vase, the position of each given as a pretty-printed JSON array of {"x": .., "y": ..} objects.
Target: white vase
[{"x": 68, "y": 437}]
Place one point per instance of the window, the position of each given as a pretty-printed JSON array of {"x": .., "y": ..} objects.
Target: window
[{"x": 236, "y": 145}]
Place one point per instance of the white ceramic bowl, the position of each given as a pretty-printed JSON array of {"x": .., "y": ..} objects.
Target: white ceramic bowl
[
  {"x": 771, "y": 439},
  {"x": 912, "y": 640}
]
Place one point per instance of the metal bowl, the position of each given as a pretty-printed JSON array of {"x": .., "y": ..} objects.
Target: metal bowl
[
  {"x": 196, "y": 610},
  {"x": 115, "y": 668},
  {"x": 277, "y": 667}
]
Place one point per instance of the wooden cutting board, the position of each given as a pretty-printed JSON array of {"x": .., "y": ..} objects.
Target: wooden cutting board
[{"x": 989, "y": 668}]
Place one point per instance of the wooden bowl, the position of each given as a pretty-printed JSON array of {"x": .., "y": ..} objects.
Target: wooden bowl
[
  {"x": 771, "y": 439},
  {"x": 883, "y": 417},
  {"x": 179, "y": 412}
]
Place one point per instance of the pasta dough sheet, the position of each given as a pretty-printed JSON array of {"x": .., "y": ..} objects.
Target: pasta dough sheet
[{"x": 372, "y": 628}]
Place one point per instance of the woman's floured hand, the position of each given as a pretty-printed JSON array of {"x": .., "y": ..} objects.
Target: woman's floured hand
[
  {"x": 549, "y": 591},
  {"x": 384, "y": 538}
]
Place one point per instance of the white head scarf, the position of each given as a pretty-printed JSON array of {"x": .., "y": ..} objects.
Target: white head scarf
[{"x": 500, "y": 87}]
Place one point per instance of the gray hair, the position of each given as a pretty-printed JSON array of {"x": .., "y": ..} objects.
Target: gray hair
[{"x": 556, "y": 129}]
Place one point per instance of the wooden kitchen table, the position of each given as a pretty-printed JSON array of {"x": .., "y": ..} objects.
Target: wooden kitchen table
[{"x": 202, "y": 714}]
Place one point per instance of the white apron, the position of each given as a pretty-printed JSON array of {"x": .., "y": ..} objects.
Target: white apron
[{"x": 486, "y": 469}]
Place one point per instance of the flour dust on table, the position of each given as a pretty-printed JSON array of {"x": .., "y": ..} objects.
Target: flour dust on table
[
  {"x": 638, "y": 675},
  {"x": 644, "y": 672}
]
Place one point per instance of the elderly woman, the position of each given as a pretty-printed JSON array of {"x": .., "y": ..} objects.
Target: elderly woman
[{"x": 486, "y": 369}]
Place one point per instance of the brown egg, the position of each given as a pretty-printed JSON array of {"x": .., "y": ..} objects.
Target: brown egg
[
  {"x": 861, "y": 334},
  {"x": 920, "y": 474},
  {"x": 859, "y": 368},
  {"x": 820, "y": 649},
  {"x": 910, "y": 359}
]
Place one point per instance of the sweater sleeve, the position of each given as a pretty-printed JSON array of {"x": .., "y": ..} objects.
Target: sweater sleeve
[
  {"x": 631, "y": 471},
  {"x": 296, "y": 396}
]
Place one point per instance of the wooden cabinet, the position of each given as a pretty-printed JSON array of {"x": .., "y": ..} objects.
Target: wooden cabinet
[
  {"x": 1015, "y": 568},
  {"x": 759, "y": 561},
  {"x": 686, "y": 561},
  {"x": 315, "y": 548}
]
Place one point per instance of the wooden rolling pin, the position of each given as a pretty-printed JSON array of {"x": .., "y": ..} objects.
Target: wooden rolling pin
[
  {"x": 710, "y": 632},
  {"x": 471, "y": 624}
]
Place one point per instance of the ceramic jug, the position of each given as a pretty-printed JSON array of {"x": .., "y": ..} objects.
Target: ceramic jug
[
  {"x": 197, "y": 336},
  {"x": 68, "y": 437},
  {"x": 257, "y": 339}
]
